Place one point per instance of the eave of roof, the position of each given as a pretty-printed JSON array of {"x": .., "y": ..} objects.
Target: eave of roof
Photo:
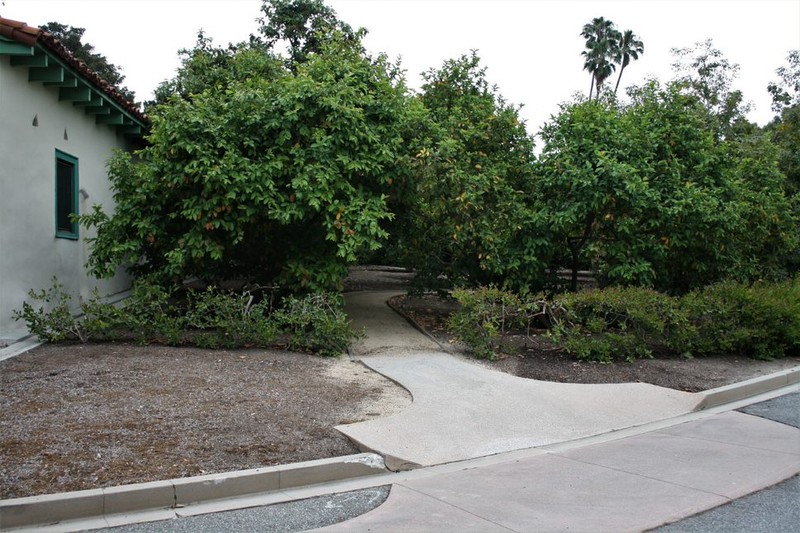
[{"x": 50, "y": 62}]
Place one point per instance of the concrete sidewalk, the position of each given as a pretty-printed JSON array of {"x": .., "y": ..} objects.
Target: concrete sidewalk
[
  {"x": 462, "y": 410},
  {"x": 630, "y": 484}
]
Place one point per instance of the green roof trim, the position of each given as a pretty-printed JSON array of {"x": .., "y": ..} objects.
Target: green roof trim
[
  {"x": 46, "y": 67},
  {"x": 75, "y": 94},
  {"x": 29, "y": 61},
  {"x": 12, "y": 48},
  {"x": 115, "y": 119},
  {"x": 52, "y": 74},
  {"x": 68, "y": 81}
]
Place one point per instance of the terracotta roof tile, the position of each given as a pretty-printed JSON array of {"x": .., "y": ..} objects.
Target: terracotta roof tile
[
  {"x": 31, "y": 35},
  {"x": 19, "y": 31}
]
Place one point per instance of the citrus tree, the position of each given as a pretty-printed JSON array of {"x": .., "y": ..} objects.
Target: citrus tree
[
  {"x": 647, "y": 194},
  {"x": 266, "y": 173},
  {"x": 473, "y": 171}
]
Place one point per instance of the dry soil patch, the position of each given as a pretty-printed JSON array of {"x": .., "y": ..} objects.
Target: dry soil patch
[{"x": 86, "y": 416}]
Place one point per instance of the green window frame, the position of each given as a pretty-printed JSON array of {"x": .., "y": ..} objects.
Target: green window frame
[{"x": 66, "y": 178}]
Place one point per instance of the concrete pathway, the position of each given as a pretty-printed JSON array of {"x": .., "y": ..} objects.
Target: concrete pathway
[
  {"x": 772, "y": 510},
  {"x": 462, "y": 410},
  {"x": 630, "y": 484}
]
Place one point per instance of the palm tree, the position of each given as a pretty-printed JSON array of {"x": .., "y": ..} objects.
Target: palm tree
[
  {"x": 629, "y": 48},
  {"x": 602, "y": 51},
  {"x": 589, "y": 64}
]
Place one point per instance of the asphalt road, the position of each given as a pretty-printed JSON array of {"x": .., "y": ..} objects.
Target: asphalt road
[{"x": 300, "y": 515}]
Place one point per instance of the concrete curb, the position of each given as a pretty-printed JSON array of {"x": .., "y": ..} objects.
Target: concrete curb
[
  {"x": 415, "y": 325},
  {"x": 163, "y": 497},
  {"x": 747, "y": 389},
  {"x": 19, "y": 347}
]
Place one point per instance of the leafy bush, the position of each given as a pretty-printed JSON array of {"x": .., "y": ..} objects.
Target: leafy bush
[
  {"x": 233, "y": 317},
  {"x": 53, "y": 320},
  {"x": 487, "y": 314},
  {"x": 149, "y": 314},
  {"x": 315, "y": 322},
  {"x": 209, "y": 319},
  {"x": 620, "y": 323},
  {"x": 101, "y": 320},
  {"x": 761, "y": 321}
]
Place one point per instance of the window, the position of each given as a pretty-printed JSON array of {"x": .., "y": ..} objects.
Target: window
[{"x": 66, "y": 195}]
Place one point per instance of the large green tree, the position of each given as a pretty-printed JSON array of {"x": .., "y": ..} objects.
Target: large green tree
[
  {"x": 786, "y": 91},
  {"x": 290, "y": 30},
  {"x": 279, "y": 175},
  {"x": 472, "y": 183},
  {"x": 709, "y": 76},
  {"x": 303, "y": 26},
  {"x": 208, "y": 66},
  {"x": 647, "y": 194},
  {"x": 590, "y": 190},
  {"x": 722, "y": 201},
  {"x": 785, "y": 127}
]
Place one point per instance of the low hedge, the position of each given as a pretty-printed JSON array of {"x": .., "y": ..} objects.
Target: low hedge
[
  {"x": 761, "y": 320},
  {"x": 211, "y": 318}
]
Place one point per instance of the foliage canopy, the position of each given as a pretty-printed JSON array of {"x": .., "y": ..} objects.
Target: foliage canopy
[
  {"x": 285, "y": 169},
  {"x": 646, "y": 194},
  {"x": 472, "y": 176},
  {"x": 257, "y": 171}
]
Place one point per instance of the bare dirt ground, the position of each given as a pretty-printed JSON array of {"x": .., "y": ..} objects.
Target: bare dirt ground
[
  {"x": 77, "y": 416},
  {"x": 86, "y": 416}
]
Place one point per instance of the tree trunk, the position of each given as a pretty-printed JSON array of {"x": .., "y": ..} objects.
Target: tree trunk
[
  {"x": 619, "y": 78},
  {"x": 573, "y": 284},
  {"x": 575, "y": 245}
]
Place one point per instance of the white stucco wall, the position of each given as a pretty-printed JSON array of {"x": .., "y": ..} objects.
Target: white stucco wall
[{"x": 30, "y": 254}]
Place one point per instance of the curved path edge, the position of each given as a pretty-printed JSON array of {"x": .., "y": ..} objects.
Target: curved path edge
[{"x": 462, "y": 410}]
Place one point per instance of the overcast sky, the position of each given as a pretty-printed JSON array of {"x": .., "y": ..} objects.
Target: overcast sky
[{"x": 530, "y": 47}]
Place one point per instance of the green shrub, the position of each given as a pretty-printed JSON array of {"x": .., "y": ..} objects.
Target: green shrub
[
  {"x": 781, "y": 313},
  {"x": 208, "y": 319},
  {"x": 315, "y": 322},
  {"x": 149, "y": 314},
  {"x": 761, "y": 321},
  {"x": 235, "y": 319},
  {"x": 619, "y": 323},
  {"x": 485, "y": 316},
  {"x": 101, "y": 320},
  {"x": 52, "y": 320}
]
